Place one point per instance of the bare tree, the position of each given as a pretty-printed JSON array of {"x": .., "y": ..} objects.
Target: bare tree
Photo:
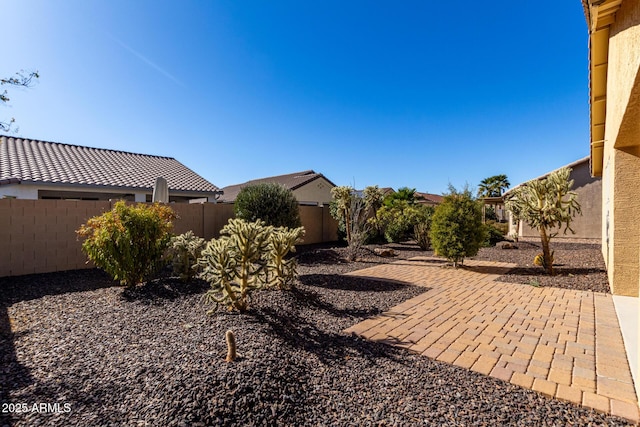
[{"x": 21, "y": 79}]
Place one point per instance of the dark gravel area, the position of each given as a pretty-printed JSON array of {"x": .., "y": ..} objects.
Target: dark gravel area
[
  {"x": 578, "y": 264},
  {"x": 153, "y": 357}
]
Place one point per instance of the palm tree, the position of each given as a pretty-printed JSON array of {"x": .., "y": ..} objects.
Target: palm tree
[{"x": 493, "y": 186}]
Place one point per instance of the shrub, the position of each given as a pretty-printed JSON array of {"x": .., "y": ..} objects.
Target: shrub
[
  {"x": 268, "y": 202},
  {"x": 400, "y": 218},
  {"x": 128, "y": 241},
  {"x": 184, "y": 251},
  {"x": 248, "y": 256},
  {"x": 350, "y": 210},
  {"x": 421, "y": 217},
  {"x": 358, "y": 227},
  {"x": 457, "y": 230},
  {"x": 495, "y": 233}
]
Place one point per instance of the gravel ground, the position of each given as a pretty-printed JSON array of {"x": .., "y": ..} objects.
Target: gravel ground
[
  {"x": 578, "y": 264},
  {"x": 153, "y": 357}
]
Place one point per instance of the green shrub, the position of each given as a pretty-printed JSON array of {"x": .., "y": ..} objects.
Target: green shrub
[
  {"x": 268, "y": 202},
  {"x": 494, "y": 234},
  {"x": 128, "y": 241},
  {"x": 400, "y": 218},
  {"x": 421, "y": 217},
  {"x": 248, "y": 256},
  {"x": 184, "y": 251},
  {"x": 457, "y": 230}
]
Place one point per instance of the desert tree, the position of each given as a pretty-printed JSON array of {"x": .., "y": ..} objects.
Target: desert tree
[
  {"x": 20, "y": 79},
  {"x": 546, "y": 204}
]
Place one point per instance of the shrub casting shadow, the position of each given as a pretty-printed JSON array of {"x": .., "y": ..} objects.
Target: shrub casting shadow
[
  {"x": 159, "y": 290},
  {"x": 351, "y": 283}
]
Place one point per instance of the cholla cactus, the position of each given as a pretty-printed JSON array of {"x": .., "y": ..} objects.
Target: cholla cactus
[
  {"x": 282, "y": 272},
  {"x": 184, "y": 251},
  {"x": 248, "y": 256},
  {"x": 234, "y": 263}
]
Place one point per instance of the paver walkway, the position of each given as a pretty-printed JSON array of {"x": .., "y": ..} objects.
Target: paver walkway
[{"x": 562, "y": 343}]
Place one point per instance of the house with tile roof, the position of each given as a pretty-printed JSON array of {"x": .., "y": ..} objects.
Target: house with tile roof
[
  {"x": 428, "y": 198},
  {"x": 309, "y": 187},
  {"x": 33, "y": 169}
]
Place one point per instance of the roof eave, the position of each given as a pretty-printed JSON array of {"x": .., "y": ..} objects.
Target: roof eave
[{"x": 600, "y": 14}]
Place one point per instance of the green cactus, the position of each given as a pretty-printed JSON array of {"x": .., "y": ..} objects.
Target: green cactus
[
  {"x": 184, "y": 251},
  {"x": 235, "y": 263},
  {"x": 248, "y": 256},
  {"x": 282, "y": 272}
]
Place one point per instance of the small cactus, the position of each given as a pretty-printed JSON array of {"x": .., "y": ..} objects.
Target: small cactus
[
  {"x": 539, "y": 260},
  {"x": 231, "y": 346}
]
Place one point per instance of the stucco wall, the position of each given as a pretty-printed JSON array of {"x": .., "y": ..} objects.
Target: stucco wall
[
  {"x": 38, "y": 236},
  {"x": 18, "y": 191},
  {"x": 318, "y": 190},
  {"x": 621, "y": 172}
]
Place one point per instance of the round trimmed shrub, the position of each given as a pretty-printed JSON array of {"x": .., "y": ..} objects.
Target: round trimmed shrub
[
  {"x": 456, "y": 229},
  {"x": 269, "y": 202}
]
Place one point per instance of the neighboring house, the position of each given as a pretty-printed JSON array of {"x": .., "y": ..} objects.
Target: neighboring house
[
  {"x": 309, "y": 187},
  {"x": 31, "y": 169},
  {"x": 589, "y": 195},
  {"x": 428, "y": 199},
  {"x": 614, "y": 83}
]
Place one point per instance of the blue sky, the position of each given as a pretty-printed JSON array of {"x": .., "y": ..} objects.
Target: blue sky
[{"x": 410, "y": 93}]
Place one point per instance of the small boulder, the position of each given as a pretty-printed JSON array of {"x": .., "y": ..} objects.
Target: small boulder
[
  {"x": 384, "y": 252},
  {"x": 507, "y": 245}
]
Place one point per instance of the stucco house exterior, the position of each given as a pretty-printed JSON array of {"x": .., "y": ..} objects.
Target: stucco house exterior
[
  {"x": 309, "y": 187},
  {"x": 33, "y": 169},
  {"x": 614, "y": 83},
  {"x": 589, "y": 195}
]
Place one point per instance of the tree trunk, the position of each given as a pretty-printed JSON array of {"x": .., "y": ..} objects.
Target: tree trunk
[{"x": 546, "y": 252}]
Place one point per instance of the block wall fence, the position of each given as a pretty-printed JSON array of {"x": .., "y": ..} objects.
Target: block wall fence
[{"x": 39, "y": 236}]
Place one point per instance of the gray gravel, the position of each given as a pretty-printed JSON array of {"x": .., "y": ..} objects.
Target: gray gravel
[{"x": 153, "y": 357}]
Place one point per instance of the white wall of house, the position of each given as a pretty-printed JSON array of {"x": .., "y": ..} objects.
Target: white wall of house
[{"x": 18, "y": 191}]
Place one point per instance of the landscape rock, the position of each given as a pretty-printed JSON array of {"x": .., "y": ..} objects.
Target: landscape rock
[{"x": 384, "y": 252}]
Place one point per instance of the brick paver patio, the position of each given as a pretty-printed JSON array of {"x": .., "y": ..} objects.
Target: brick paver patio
[{"x": 563, "y": 343}]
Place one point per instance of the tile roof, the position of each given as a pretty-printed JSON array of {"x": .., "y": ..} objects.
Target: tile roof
[
  {"x": 427, "y": 197},
  {"x": 33, "y": 161},
  {"x": 291, "y": 181}
]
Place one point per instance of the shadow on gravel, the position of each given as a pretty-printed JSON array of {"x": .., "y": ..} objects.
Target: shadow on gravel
[
  {"x": 324, "y": 257},
  {"x": 487, "y": 269},
  {"x": 160, "y": 290},
  {"x": 34, "y": 286},
  {"x": 330, "y": 348},
  {"x": 13, "y": 375},
  {"x": 558, "y": 271},
  {"x": 291, "y": 325},
  {"x": 351, "y": 283}
]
